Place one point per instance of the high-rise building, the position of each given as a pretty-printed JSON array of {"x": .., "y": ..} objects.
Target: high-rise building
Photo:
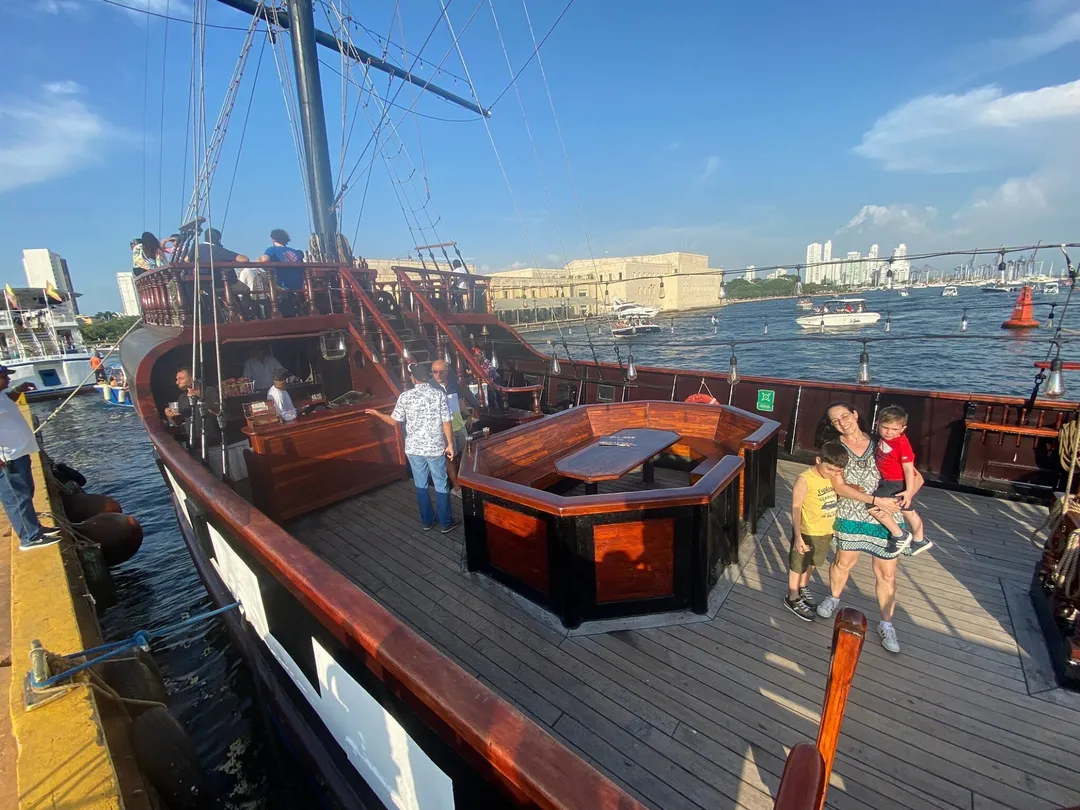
[
  {"x": 749, "y": 275},
  {"x": 901, "y": 267},
  {"x": 826, "y": 252},
  {"x": 852, "y": 271},
  {"x": 813, "y": 253},
  {"x": 813, "y": 274},
  {"x": 126, "y": 282},
  {"x": 43, "y": 266}
]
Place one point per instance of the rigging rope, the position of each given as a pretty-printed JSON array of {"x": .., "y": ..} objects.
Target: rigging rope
[
  {"x": 161, "y": 122},
  {"x": 243, "y": 133},
  {"x": 536, "y": 51}
]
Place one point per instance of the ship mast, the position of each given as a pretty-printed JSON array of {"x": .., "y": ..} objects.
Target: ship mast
[{"x": 299, "y": 18}]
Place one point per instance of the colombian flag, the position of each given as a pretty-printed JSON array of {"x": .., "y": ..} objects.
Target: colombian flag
[
  {"x": 52, "y": 292},
  {"x": 9, "y": 294}
]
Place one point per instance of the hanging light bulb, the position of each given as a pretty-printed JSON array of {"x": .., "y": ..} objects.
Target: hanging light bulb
[
  {"x": 822, "y": 327},
  {"x": 673, "y": 326},
  {"x": 607, "y": 289},
  {"x": 888, "y": 323},
  {"x": 631, "y": 369},
  {"x": 766, "y": 326},
  {"x": 569, "y": 330},
  {"x": 1001, "y": 267},
  {"x": 484, "y": 331},
  {"x": 555, "y": 367},
  {"x": 864, "y": 367},
  {"x": 1050, "y": 318},
  {"x": 446, "y": 356},
  {"x": 494, "y": 359},
  {"x": 964, "y": 322},
  {"x": 733, "y": 369},
  {"x": 1055, "y": 383},
  {"x": 405, "y": 352},
  {"x": 722, "y": 292},
  {"x": 662, "y": 293}
]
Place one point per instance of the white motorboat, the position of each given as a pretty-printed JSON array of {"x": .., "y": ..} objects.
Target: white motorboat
[
  {"x": 1002, "y": 288},
  {"x": 949, "y": 291},
  {"x": 839, "y": 312},
  {"x": 805, "y": 303},
  {"x": 904, "y": 293},
  {"x": 1050, "y": 288},
  {"x": 621, "y": 310}
]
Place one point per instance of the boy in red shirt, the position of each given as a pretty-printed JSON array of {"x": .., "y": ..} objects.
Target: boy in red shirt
[{"x": 899, "y": 478}]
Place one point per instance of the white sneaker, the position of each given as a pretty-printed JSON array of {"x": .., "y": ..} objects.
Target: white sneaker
[
  {"x": 828, "y": 607},
  {"x": 888, "y": 637}
]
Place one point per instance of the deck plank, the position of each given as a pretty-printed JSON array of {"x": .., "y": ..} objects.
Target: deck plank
[{"x": 702, "y": 715}]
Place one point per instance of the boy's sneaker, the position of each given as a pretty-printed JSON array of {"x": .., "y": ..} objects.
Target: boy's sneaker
[
  {"x": 897, "y": 545},
  {"x": 807, "y": 597},
  {"x": 828, "y": 607},
  {"x": 919, "y": 546},
  {"x": 799, "y": 608},
  {"x": 888, "y": 637}
]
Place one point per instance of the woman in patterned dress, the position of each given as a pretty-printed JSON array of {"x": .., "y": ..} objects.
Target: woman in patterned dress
[{"x": 861, "y": 523}]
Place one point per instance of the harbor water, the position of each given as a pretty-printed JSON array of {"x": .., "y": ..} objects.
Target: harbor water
[
  {"x": 210, "y": 691},
  {"x": 925, "y": 347}
]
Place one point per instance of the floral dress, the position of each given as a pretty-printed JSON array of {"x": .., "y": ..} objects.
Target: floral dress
[{"x": 855, "y": 529}]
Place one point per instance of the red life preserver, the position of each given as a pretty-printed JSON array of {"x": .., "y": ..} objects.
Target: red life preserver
[{"x": 705, "y": 399}]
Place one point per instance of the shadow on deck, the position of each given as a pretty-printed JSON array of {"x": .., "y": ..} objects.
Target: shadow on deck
[{"x": 702, "y": 715}]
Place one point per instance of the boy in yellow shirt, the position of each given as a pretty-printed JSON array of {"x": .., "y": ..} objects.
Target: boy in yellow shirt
[{"x": 813, "y": 510}]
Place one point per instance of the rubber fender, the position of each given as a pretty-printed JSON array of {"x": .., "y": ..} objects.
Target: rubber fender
[
  {"x": 131, "y": 678},
  {"x": 98, "y": 578},
  {"x": 64, "y": 473},
  {"x": 119, "y": 536},
  {"x": 167, "y": 758},
  {"x": 82, "y": 505}
]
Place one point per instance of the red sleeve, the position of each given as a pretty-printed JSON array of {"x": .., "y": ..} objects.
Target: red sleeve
[{"x": 902, "y": 448}]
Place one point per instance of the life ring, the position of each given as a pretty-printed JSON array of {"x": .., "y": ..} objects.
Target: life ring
[{"x": 703, "y": 399}]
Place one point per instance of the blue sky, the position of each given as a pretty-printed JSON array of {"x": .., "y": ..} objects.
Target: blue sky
[{"x": 740, "y": 130}]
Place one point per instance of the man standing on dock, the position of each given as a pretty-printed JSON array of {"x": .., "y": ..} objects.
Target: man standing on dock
[
  {"x": 429, "y": 444},
  {"x": 17, "y": 442}
]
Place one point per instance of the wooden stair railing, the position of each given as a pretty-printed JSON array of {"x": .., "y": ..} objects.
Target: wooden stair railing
[
  {"x": 445, "y": 333},
  {"x": 806, "y": 773},
  {"x": 368, "y": 313}
]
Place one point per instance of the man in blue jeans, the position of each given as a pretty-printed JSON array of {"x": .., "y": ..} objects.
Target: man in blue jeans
[
  {"x": 429, "y": 443},
  {"x": 17, "y": 442}
]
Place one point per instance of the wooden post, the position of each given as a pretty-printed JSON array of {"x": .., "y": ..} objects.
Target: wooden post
[
  {"x": 849, "y": 632},
  {"x": 275, "y": 311}
]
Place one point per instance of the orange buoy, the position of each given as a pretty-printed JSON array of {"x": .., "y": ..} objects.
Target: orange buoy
[
  {"x": 78, "y": 506},
  {"x": 119, "y": 536},
  {"x": 1022, "y": 315},
  {"x": 705, "y": 399}
]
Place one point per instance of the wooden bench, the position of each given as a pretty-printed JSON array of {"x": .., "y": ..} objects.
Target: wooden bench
[
  {"x": 539, "y": 476},
  {"x": 1014, "y": 430},
  {"x": 704, "y": 466}
]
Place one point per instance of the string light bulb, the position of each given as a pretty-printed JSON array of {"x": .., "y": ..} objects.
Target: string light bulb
[
  {"x": 494, "y": 359},
  {"x": 1050, "y": 318},
  {"x": 673, "y": 326},
  {"x": 446, "y": 356},
  {"x": 888, "y": 323},
  {"x": 631, "y": 369},
  {"x": 864, "y": 367},
  {"x": 555, "y": 367},
  {"x": 662, "y": 293},
  {"x": 964, "y": 322},
  {"x": 766, "y": 327},
  {"x": 733, "y": 369},
  {"x": 405, "y": 352},
  {"x": 484, "y": 331},
  {"x": 1055, "y": 382}
]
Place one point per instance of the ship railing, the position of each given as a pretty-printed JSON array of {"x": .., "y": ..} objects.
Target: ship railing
[
  {"x": 447, "y": 292},
  {"x": 167, "y": 295},
  {"x": 373, "y": 325},
  {"x": 490, "y": 393},
  {"x": 806, "y": 773}
]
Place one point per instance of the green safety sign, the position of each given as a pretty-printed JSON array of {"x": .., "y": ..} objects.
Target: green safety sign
[{"x": 766, "y": 399}]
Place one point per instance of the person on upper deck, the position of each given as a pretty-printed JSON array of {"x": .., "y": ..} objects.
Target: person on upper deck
[
  {"x": 211, "y": 247},
  {"x": 288, "y": 278},
  {"x": 283, "y": 403},
  {"x": 146, "y": 254},
  {"x": 260, "y": 368}
]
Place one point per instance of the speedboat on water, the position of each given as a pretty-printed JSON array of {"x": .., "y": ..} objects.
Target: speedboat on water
[
  {"x": 633, "y": 327},
  {"x": 839, "y": 312},
  {"x": 904, "y": 293},
  {"x": 805, "y": 303},
  {"x": 621, "y": 310},
  {"x": 114, "y": 388},
  {"x": 1050, "y": 288},
  {"x": 1002, "y": 288},
  {"x": 950, "y": 291}
]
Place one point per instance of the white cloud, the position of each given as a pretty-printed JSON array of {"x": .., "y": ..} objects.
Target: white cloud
[
  {"x": 517, "y": 265},
  {"x": 712, "y": 163},
  {"x": 59, "y": 6},
  {"x": 48, "y": 136},
  {"x": 911, "y": 219},
  {"x": 972, "y": 131}
]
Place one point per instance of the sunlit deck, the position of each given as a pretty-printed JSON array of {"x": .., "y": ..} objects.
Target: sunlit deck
[{"x": 701, "y": 714}]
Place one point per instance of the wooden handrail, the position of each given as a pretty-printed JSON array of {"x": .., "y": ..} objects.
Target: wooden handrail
[
  {"x": 803, "y": 780},
  {"x": 361, "y": 341},
  {"x": 368, "y": 307},
  {"x": 849, "y": 632},
  {"x": 801, "y": 774},
  {"x": 463, "y": 351},
  {"x": 1018, "y": 430}
]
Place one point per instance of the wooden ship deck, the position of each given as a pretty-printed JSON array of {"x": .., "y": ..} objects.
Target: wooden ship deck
[{"x": 702, "y": 713}]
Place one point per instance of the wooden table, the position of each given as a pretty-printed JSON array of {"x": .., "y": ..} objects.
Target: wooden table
[{"x": 597, "y": 462}]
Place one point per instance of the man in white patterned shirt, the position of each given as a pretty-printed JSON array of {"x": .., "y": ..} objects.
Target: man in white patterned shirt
[{"x": 429, "y": 443}]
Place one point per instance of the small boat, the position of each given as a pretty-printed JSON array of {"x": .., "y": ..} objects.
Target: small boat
[
  {"x": 904, "y": 293},
  {"x": 839, "y": 312},
  {"x": 1002, "y": 288},
  {"x": 1050, "y": 288},
  {"x": 950, "y": 291},
  {"x": 633, "y": 326},
  {"x": 805, "y": 303},
  {"x": 114, "y": 389},
  {"x": 628, "y": 309}
]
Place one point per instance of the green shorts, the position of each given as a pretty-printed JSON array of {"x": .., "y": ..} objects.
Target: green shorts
[{"x": 816, "y": 556}]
